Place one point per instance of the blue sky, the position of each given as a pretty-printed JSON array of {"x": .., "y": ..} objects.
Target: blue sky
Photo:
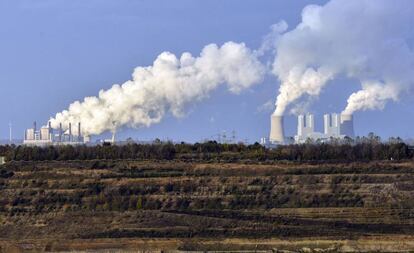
[{"x": 53, "y": 52}]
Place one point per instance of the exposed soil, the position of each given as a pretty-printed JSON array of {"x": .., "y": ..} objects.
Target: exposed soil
[{"x": 171, "y": 205}]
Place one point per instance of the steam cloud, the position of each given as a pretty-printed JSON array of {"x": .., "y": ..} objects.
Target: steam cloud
[
  {"x": 169, "y": 85},
  {"x": 370, "y": 41},
  {"x": 365, "y": 40}
]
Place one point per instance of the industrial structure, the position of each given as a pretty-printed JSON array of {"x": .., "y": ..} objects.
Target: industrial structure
[
  {"x": 336, "y": 126},
  {"x": 347, "y": 125},
  {"x": 277, "y": 133},
  {"x": 46, "y": 136}
]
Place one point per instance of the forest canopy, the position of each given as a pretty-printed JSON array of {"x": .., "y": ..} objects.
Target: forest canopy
[{"x": 365, "y": 148}]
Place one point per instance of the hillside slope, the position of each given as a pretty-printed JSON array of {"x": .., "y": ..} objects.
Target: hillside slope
[{"x": 108, "y": 203}]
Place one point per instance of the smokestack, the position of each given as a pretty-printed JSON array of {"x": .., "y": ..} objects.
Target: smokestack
[
  {"x": 50, "y": 130},
  {"x": 277, "y": 133},
  {"x": 347, "y": 125},
  {"x": 79, "y": 131},
  {"x": 35, "y": 136},
  {"x": 70, "y": 131},
  {"x": 60, "y": 132}
]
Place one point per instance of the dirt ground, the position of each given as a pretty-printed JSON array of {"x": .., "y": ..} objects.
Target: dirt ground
[{"x": 130, "y": 206}]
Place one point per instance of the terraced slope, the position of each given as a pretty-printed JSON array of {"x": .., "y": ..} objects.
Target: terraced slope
[{"x": 50, "y": 204}]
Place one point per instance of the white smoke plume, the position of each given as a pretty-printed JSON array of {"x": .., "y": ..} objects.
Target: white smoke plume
[
  {"x": 370, "y": 41},
  {"x": 169, "y": 85}
]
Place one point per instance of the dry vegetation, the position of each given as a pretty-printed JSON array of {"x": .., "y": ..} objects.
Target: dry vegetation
[{"x": 73, "y": 205}]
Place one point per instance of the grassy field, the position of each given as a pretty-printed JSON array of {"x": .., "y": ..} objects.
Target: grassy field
[{"x": 172, "y": 205}]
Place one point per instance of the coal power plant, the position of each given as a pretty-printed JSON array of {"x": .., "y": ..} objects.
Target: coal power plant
[
  {"x": 336, "y": 126},
  {"x": 46, "y": 135}
]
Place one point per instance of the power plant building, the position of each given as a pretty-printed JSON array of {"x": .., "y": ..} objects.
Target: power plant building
[
  {"x": 332, "y": 124},
  {"x": 46, "y": 136},
  {"x": 336, "y": 126},
  {"x": 347, "y": 125}
]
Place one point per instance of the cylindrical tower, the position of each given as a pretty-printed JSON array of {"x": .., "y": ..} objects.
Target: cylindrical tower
[
  {"x": 50, "y": 131},
  {"x": 60, "y": 132},
  {"x": 347, "y": 125},
  {"x": 301, "y": 124},
  {"x": 277, "y": 133},
  {"x": 70, "y": 132},
  {"x": 326, "y": 123},
  {"x": 79, "y": 132}
]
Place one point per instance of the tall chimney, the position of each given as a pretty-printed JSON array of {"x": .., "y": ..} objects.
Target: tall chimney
[
  {"x": 79, "y": 131},
  {"x": 347, "y": 125},
  {"x": 50, "y": 131},
  {"x": 60, "y": 132},
  {"x": 36, "y": 137},
  {"x": 277, "y": 133},
  {"x": 70, "y": 132}
]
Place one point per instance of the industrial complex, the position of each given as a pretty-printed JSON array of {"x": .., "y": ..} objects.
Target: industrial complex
[
  {"x": 46, "y": 135},
  {"x": 336, "y": 126}
]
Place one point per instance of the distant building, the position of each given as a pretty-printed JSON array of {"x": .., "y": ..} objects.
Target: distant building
[
  {"x": 332, "y": 124},
  {"x": 2, "y": 160},
  {"x": 335, "y": 126},
  {"x": 46, "y": 136}
]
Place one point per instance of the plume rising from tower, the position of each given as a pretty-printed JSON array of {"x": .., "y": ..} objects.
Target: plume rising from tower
[
  {"x": 167, "y": 86},
  {"x": 323, "y": 47}
]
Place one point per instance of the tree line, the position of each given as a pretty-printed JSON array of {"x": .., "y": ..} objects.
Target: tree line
[{"x": 365, "y": 148}]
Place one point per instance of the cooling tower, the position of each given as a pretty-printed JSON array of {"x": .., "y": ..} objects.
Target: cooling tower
[
  {"x": 276, "y": 129},
  {"x": 347, "y": 125}
]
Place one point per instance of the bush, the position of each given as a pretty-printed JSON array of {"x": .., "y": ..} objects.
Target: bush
[{"x": 365, "y": 148}]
